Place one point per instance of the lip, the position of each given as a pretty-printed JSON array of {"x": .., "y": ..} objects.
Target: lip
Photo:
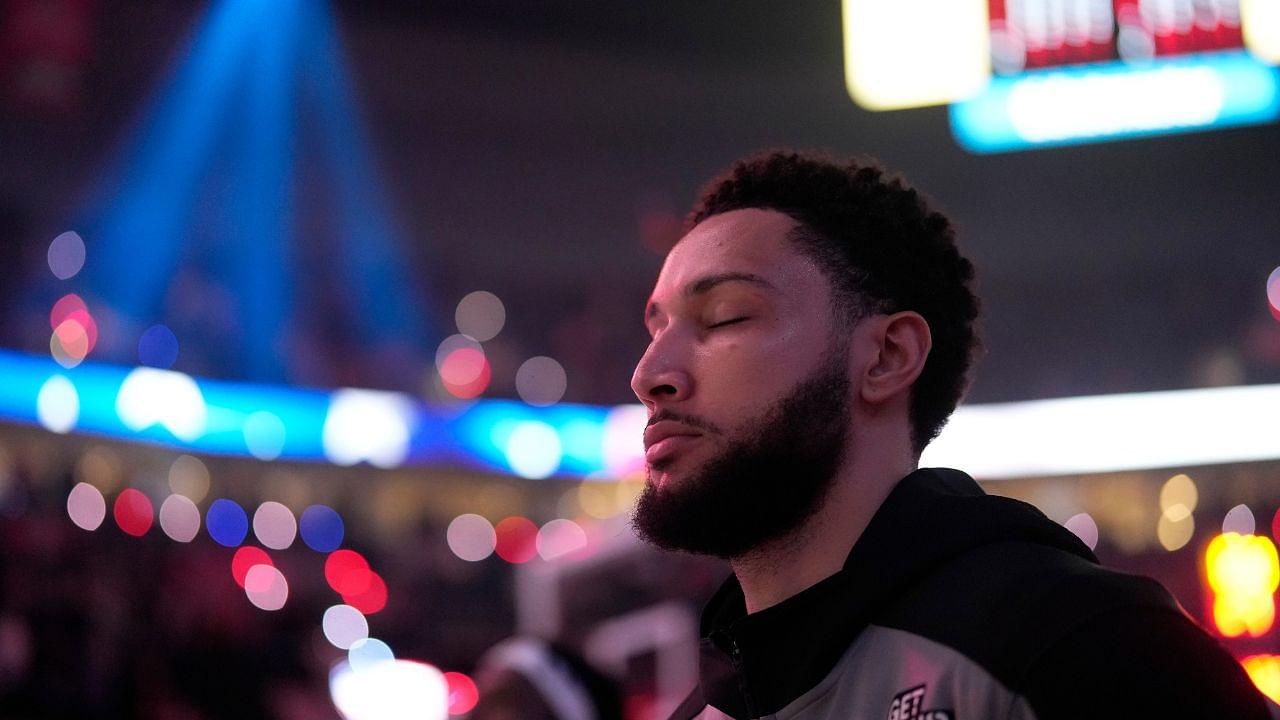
[{"x": 662, "y": 439}]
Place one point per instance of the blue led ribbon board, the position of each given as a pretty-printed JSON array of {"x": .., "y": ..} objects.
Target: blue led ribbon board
[{"x": 1114, "y": 100}]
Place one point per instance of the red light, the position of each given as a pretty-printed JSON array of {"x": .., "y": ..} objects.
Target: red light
[
  {"x": 133, "y": 512},
  {"x": 465, "y": 373},
  {"x": 463, "y": 694},
  {"x": 246, "y": 557},
  {"x": 517, "y": 540},
  {"x": 1275, "y": 526},
  {"x": 347, "y": 572},
  {"x": 373, "y": 598},
  {"x": 63, "y": 309}
]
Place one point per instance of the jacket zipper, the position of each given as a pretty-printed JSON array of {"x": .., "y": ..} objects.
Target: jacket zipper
[{"x": 736, "y": 655}]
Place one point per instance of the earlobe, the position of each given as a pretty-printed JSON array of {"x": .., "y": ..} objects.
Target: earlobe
[{"x": 902, "y": 343}]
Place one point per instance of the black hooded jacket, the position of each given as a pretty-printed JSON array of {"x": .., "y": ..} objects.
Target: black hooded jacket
[{"x": 957, "y": 605}]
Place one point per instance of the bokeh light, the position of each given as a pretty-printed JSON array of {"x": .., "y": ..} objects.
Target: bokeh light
[
  {"x": 343, "y": 625},
  {"x": 149, "y": 396},
  {"x": 463, "y": 693},
  {"x": 101, "y": 467},
  {"x": 86, "y": 507},
  {"x": 367, "y": 425},
  {"x": 1273, "y": 292},
  {"x": 1239, "y": 520},
  {"x": 480, "y": 315},
  {"x": 133, "y": 512},
  {"x": 266, "y": 587},
  {"x": 66, "y": 255},
  {"x": 1084, "y": 527},
  {"x": 1275, "y": 526},
  {"x": 158, "y": 347},
  {"x": 347, "y": 572},
  {"x": 624, "y": 440},
  {"x": 1243, "y": 574},
  {"x": 366, "y": 653},
  {"x": 1264, "y": 671},
  {"x": 189, "y": 477},
  {"x": 70, "y": 343},
  {"x": 1175, "y": 534},
  {"x": 247, "y": 557},
  {"x": 226, "y": 522},
  {"x": 465, "y": 373},
  {"x": 559, "y": 538},
  {"x": 452, "y": 344},
  {"x": 541, "y": 381},
  {"x": 516, "y": 540},
  {"x": 471, "y": 537},
  {"x": 274, "y": 525},
  {"x": 1178, "y": 497},
  {"x": 67, "y": 307},
  {"x": 179, "y": 518},
  {"x": 388, "y": 690},
  {"x": 533, "y": 450},
  {"x": 58, "y": 404},
  {"x": 597, "y": 498},
  {"x": 321, "y": 528},
  {"x": 264, "y": 435},
  {"x": 372, "y": 598}
]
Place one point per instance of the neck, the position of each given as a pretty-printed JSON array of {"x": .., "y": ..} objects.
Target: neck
[{"x": 818, "y": 548}]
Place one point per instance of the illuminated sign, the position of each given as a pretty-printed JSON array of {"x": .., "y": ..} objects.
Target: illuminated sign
[{"x": 1039, "y": 73}]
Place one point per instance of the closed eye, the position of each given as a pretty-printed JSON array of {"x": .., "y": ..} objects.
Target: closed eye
[{"x": 726, "y": 323}]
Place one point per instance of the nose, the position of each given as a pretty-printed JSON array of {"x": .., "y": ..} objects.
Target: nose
[{"x": 660, "y": 377}]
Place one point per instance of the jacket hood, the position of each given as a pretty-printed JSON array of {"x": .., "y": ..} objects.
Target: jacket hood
[{"x": 753, "y": 665}]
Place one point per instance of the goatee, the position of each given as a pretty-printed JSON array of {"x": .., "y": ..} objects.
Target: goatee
[{"x": 763, "y": 483}]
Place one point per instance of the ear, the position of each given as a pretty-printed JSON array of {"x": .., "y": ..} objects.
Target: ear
[{"x": 900, "y": 345}]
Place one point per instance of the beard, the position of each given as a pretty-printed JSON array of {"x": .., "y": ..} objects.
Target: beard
[{"x": 765, "y": 482}]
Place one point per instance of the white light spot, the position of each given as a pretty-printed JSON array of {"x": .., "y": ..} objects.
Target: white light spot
[
  {"x": 480, "y": 315},
  {"x": 344, "y": 625},
  {"x": 368, "y": 425},
  {"x": 150, "y": 396},
  {"x": 179, "y": 518},
  {"x": 541, "y": 381},
  {"x": 264, "y": 435},
  {"x": 560, "y": 537},
  {"x": 624, "y": 439},
  {"x": 58, "y": 404},
  {"x": 471, "y": 537},
  {"x": 393, "y": 690},
  {"x": 266, "y": 587},
  {"x": 1084, "y": 527},
  {"x": 86, "y": 506},
  {"x": 533, "y": 450},
  {"x": 274, "y": 525},
  {"x": 1240, "y": 520}
]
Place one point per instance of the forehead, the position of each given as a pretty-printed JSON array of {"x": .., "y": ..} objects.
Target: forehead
[{"x": 750, "y": 241}]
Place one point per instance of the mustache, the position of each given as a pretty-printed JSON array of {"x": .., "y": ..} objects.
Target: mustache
[{"x": 692, "y": 421}]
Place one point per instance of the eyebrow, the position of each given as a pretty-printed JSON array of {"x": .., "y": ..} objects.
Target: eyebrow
[{"x": 706, "y": 283}]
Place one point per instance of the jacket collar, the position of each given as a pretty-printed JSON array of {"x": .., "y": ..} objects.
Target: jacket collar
[{"x": 753, "y": 665}]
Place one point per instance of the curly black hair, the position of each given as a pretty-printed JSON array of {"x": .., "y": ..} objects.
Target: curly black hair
[{"x": 883, "y": 249}]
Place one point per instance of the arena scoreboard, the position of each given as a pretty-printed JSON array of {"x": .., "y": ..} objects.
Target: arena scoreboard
[{"x": 1020, "y": 74}]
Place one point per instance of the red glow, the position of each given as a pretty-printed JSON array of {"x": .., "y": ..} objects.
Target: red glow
[
  {"x": 347, "y": 572},
  {"x": 373, "y": 598},
  {"x": 63, "y": 309},
  {"x": 465, "y": 373},
  {"x": 1275, "y": 526},
  {"x": 133, "y": 512},
  {"x": 246, "y": 557},
  {"x": 86, "y": 322},
  {"x": 517, "y": 540},
  {"x": 463, "y": 693}
]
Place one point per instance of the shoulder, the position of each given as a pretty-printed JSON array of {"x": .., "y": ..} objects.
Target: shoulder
[{"x": 1073, "y": 638}]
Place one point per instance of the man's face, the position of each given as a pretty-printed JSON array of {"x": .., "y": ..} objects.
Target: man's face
[{"x": 747, "y": 386}]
